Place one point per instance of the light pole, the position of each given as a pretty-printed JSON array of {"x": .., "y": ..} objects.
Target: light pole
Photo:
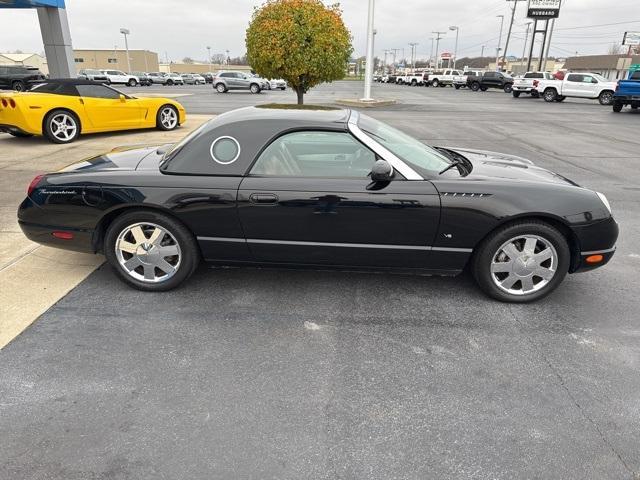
[
  {"x": 228, "y": 58},
  {"x": 125, "y": 32},
  {"x": 501, "y": 17},
  {"x": 482, "y": 54},
  {"x": 431, "y": 54},
  {"x": 209, "y": 53},
  {"x": 368, "y": 72},
  {"x": 413, "y": 54},
  {"x": 455, "y": 50},
  {"x": 526, "y": 39},
  {"x": 438, "y": 38}
]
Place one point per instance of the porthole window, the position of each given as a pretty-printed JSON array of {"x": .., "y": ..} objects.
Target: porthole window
[{"x": 225, "y": 150}]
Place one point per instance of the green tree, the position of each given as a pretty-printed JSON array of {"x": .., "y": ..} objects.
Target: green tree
[{"x": 301, "y": 41}]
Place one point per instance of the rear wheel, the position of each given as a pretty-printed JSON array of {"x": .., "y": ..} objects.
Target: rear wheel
[
  {"x": 414, "y": 83},
  {"x": 254, "y": 88},
  {"x": 483, "y": 88},
  {"x": 475, "y": 86},
  {"x": 535, "y": 94},
  {"x": 169, "y": 82},
  {"x": 521, "y": 262},
  {"x": 550, "y": 95},
  {"x": 61, "y": 126},
  {"x": 617, "y": 107},
  {"x": 167, "y": 118},
  {"x": 435, "y": 82},
  {"x": 515, "y": 94},
  {"x": 606, "y": 98},
  {"x": 19, "y": 86},
  {"x": 221, "y": 88},
  {"x": 151, "y": 251}
]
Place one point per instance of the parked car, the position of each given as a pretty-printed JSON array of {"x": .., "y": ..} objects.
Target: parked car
[
  {"x": 577, "y": 85},
  {"x": 188, "y": 79},
  {"x": 199, "y": 79},
  {"x": 627, "y": 92},
  {"x": 442, "y": 78},
  {"x": 327, "y": 188},
  {"x": 93, "y": 75},
  {"x": 18, "y": 77},
  {"x": 524, "y": 84},
  {"x": 460, "y": 81},
  {"x": 62, "y": 109},
  {"x": 158, "y": 78},
  {"x": 144, "y": 78},
  {"x": 208, "y": 76},
  {"x": 413, "y": 79},
  {"x": 277, "y": 84},
  {"x": 225, "y": 81},
  {"x": 490, "y": 80},
  {"x": 174, "y": 79},
  {"x": 119, "y": 77}
]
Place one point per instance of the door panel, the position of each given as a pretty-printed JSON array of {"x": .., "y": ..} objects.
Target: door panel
[{"x": 106, "y": 113}]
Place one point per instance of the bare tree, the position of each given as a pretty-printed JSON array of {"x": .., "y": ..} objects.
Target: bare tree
[
  {"x": 187, "y": 60},
  {"x": 615, "y": 49}
]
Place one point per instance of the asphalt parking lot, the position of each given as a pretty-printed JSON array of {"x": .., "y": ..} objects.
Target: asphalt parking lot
[{"x": 268, "y": 374}]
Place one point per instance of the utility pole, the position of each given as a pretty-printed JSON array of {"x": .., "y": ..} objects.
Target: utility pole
[
  {"x": 368, "y": 73},
  {"x": 209, "y": 53},
  {"x": 482, "y": 51},
  {"x": 413, "y": 50},
  {"x": 526, "y": 38},
  {"x": 546, "y": 53},
  {"x": 455, "y": 50},
  {"x": 439, "y": 36},
  {"x": 513, "y": 16},
  {"x": 501, "y": 17},
  {"x": 431, "y": 54},
  {"x": 395, "y": 52}
]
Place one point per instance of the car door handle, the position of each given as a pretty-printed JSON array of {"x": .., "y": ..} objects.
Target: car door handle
[{"x": 263, "y": 198}]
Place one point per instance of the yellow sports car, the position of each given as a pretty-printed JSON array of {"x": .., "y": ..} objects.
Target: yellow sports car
[{"x": 63, "y": 109}]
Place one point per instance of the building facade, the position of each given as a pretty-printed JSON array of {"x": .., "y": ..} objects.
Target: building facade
[
  {"x": 141, "y": 60},
  {"x": 26, "y": 59},
  {"x": 613, "y": 67}
]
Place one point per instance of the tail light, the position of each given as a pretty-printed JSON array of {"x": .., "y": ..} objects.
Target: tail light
[
  {"x": 12, "y": 103},
  {"x": 4, "y": 102},
  {"x": 33, "y": 185},
  {"x": 536, "y": 83},
  {"x": 63, "y": 235}
]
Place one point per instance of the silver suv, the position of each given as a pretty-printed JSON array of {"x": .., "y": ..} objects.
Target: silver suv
[{"x": 225, "y": 81}]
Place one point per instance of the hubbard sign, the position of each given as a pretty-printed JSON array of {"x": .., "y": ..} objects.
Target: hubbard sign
[{"x": 544, "y": 9}]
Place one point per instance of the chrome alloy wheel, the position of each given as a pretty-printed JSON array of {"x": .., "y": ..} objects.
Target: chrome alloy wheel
[
  {"x": 63, "y": 127},
  {"x": 148, "y": 253},
  {"x": 168, "y": 118},
  {"x": 524, "y": 264}
]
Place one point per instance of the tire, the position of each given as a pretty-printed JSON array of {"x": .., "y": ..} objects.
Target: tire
[
  {"x": 535, "y": 94},
  {"x": 283, "y": 88},
  {"x": 132, "y": 82},
  {"x": 21, "y": 134},
  {"x": 617, "y": 107},
  {"x": 254, "y": 88},
  {"x": 550, "y": 95},
  {"x": 442, "y": 85},
  {"x": 457, "y": 87},
  {"x": 169, "y": 82},
  {"x": 174, "y": 237},
  {"x": 483, "y": 88},
  {"x": 515, "y": 94},
  {"x": 551, "y": 258},
  {"x": 560, "y": 98},
  {"x": 606, "y": 98},
  {"x": 59, "y": 118},
  {"x": 19, "y": 86},
  {"x": 167, "y": 118},
  {"x": 414, "y": 83},
  {"x": 508, "y": 88},
  {"x": 475, "y": 86},
  {"x": 435, "y": 82},
  {"x": 221, "y": 88}
]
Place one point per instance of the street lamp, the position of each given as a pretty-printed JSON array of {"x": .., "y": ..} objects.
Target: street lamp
[
  {"x": 209, "y": 53},
  {"x": 455, "y": 51},
  {"x": 125, "y": 32},
  {"x": 501, "y": 17},
  {"x": 368, "y": 71}
]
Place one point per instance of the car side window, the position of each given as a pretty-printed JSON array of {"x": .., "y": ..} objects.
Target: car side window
[
  {"x": 589, "y": 79},
  {"x": 97, "y": 91},
  {"x": 575, "y": 78},
  {"x": 315, "y": 154}
]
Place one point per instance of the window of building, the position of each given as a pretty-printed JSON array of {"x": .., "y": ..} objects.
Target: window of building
[
  {"x": 112, "y": 60},
  {"x": 79, "y": 60}
]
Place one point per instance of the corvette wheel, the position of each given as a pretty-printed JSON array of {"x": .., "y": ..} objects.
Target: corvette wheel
[
  {"x": 167, "y": 118},
  {"x": 61, "y": 126},
  {"x": 522, "y": 262},
  {"x": 151, "y": 251}
]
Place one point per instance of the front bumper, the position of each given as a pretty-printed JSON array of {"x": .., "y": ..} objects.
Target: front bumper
[{"x": 598, "y": 239}]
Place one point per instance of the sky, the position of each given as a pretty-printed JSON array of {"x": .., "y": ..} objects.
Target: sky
[{"x": 185, "y": 28}]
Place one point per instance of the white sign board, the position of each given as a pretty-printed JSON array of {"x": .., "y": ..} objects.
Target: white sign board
[
  {"x": 631, "y": 38},
  {"x": 544, "y": 9}
]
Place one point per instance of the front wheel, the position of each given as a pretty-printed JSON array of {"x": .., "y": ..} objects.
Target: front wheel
[
  {"x": 515, "y": 94},
  {"x": 475, "y": 86},
  {"x": 457, "y": 87},
  {"x": 508, "y": 88},
  {"x": 132, "y": 82},
  {"x": 61, "y": 126},
  {"x": 151, "y": 251},
  {"x": 535, "y": 94},
  {"x": 435, "y": 82},
  {"x": 606, "y": 98},
  {"x": 169, "y": 82},
  {"x": 521, "y": 262},
  {"x": 221, "y": 88},
  {"x": 254, "y": 88},
  {"x": 167, "y": 118}
]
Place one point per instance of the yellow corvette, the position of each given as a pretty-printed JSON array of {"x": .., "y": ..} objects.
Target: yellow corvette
[{"x": 63, "y": 109}]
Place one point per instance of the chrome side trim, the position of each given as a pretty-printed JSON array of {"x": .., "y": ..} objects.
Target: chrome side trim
[
  {"x": 408, "y": 172},
  {"x": 425, "y": 248},
  {"x": 596, "y": 252}
]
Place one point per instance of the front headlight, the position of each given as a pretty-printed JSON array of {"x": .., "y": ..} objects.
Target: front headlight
[{"x": 604, "y": 200}]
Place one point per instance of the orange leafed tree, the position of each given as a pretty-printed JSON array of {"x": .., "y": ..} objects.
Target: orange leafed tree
[{"x": 301, "y": 41}]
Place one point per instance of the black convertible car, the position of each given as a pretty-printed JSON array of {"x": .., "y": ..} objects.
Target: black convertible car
[{"x": 322, "y": 188}]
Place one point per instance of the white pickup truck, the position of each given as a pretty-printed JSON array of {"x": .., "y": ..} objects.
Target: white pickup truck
[
  {"x": 460, "y": 81},
  {"x": 413, "y": 79},
  {"x": 578, "y": 85},
  {"x": 442, "y": 78},
  {"x": 524, "y": 83}
]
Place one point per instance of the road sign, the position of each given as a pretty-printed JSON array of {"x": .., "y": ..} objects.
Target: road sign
[
  {"x": 631, "y": 38},
  {"x": 445, "y": 56},
  {"x": 542, "y": 9}
]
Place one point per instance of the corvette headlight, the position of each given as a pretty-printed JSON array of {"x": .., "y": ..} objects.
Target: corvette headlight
[{"x": 604, "y": 200}]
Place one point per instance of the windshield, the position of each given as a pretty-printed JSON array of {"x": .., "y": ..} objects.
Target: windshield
[
  {"x": 423, "y": 158},
  {"x": 600, "y": 78}
]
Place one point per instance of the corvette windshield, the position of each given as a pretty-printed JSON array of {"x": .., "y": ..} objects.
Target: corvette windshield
[{"x": 420, "y": 156}]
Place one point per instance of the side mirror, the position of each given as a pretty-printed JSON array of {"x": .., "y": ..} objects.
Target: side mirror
[
  {"x": 123, "y": 98},
  {"x": 382, "y": 171}
]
